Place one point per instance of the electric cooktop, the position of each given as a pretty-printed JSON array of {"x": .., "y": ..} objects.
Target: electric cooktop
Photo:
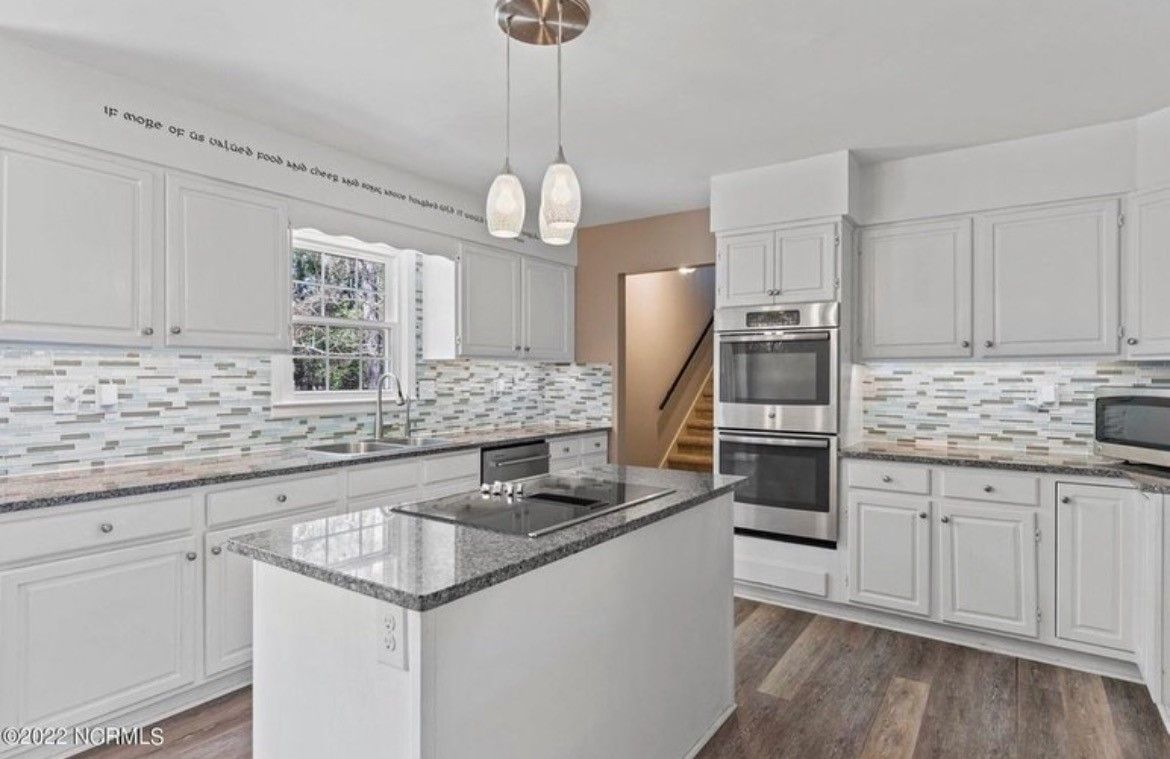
[{"x": 547, "y": 504}]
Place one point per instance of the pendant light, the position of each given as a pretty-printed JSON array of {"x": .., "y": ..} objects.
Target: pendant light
[
  {"x": 560, "y": 193},
  {"x": 505, "y": 199}
]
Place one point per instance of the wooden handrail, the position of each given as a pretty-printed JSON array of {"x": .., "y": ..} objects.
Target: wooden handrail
[{"x": 690, "y": 357}]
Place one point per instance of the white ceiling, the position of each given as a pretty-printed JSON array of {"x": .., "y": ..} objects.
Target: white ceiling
[{"x": 659, "y": 95}]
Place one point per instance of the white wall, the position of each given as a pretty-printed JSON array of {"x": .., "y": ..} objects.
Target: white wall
[
  {"x": 806, "y": 189},
  {"x": 51, "y": 96}
]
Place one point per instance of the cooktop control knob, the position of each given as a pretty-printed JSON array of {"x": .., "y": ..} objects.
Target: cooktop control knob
[
  {"x": 519, "y": 490},
  {"x": 497, "y": 487}
]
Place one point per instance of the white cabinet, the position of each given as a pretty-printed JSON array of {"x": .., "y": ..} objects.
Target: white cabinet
[
  {"x": 1046, "y": 280},
  {"x": 889, "y": 551},
  {"x": 577, "y": 451},
  {"x": 1147, "y": 270},
  {"x": 227, "y": 263},
  {"x": 84, "y": 637},
  {"x": 988, "y": 573},
  {"x": 1096, "y": 564},
  {"x": 915, "y": 293},
  {"x": 793, "y": 264},
  {"x": 78, "y": 247},
  {"x": 548, "y": 310},
  {"x": 227, "y": 621}
]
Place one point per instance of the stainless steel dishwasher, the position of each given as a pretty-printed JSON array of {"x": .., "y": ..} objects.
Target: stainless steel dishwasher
[{"x": 513, "y": 462}]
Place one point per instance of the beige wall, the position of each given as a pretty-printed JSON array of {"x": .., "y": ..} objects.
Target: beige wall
[
  {"x": 664, "y": 314},
  {"x": 607, "y": 252}
]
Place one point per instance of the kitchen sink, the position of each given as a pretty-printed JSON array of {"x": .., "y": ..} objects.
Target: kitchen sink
[{"x": 358, "y": 448}]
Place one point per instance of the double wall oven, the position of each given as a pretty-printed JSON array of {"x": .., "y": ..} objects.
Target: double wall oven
[{"x": 776, "y": 387}]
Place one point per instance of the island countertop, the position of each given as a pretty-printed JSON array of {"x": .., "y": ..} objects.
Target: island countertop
[{"x": 420, "y": 563}]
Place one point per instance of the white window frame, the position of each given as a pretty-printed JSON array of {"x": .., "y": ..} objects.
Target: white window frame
[{"x": 287, "y": 401}]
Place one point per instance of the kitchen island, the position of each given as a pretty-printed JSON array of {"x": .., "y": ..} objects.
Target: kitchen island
[{"x": 381, "y": 634}]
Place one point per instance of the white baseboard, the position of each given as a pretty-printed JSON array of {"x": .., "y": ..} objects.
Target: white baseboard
[
  {"x": 707, "y": 736},
  {"x": 1098, "y": 665}
]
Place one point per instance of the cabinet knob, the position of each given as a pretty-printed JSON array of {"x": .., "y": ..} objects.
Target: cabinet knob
[
  {"x": 597, "y": 444},
  {"x": 106, "y": 527},
  {"x": 192, "y": 556},
  {"x": 281, "y": 498},
  {"x": 966, "y": 343},
  {"x": 988, "y": 344},
  {"x": 176, "y": 330},
  {"x": 1132, "y": 341},
  {"x": 988, "y": 489},
  {"x": 1066, "y": 499},
  {"x": 216, "y": 550},
  {"x": 148, "y": 331},
  {"x": 527, "y": 348},
  {"x": 922, "y": 515},
  {"x": 887, "y": 478},
  {"x": 946, "y": 520},
  {"x": 516, "y": 348}
]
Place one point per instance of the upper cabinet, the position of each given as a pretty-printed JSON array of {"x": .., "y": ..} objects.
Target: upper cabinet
[
  {"x": 1047, "y": 280},
  {"x": 915, "y": 293},
  {"x": 507, "y": 306},
  {"x": 78, "y": 247},
  {"x": 792, "y": 264},
  {"x": 1147, "y": 270},
  {"x": 227, "y": 263}
]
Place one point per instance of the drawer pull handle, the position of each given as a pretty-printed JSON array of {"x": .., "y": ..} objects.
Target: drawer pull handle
[
  {"x": 565, "y": 449},
  {"x": 216, "y": 550},
  {"x": 106, "y": 527},
  {"x": 597, "y": 445},
  {"x": 176, "y": 330},
  {"x": 281, "y": 498},
  {"x": 988, "y": 489},
  {"x": 946, "y": 520},
  {"x": 192, "y": 556},
  {"x": 1066, "y": 499},
  {"x": 887, "y": 478},
  {"x": 922, "y": 515}
]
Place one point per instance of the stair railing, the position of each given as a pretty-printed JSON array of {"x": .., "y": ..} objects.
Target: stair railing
[{"x": 686, "y": 364}]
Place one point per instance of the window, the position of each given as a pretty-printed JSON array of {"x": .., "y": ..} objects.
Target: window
[{"x": 350, "y": 320}]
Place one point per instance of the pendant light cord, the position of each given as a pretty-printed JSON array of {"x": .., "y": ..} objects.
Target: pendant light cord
[
  {"x": 560, "y": 106},
  {"x": 508, "y": 99}
]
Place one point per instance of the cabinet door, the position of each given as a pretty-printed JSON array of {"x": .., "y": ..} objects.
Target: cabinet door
[
  {"x": 227, "y": 266},
  {"x": 889, "y": 551},
  {"x": 1047, "y": 281},
  {"x": 489, "y": 303},
  {"x": 548, "y": 311},
  {"x": 988, "y": 572},
  {"x": 1147, "y": 270},
  {"x": 745, "y": 270},
  {"x": 85, "y": 637},
  {"x": 227, "y": 610},
  {"x": 1096, "y": 570},
  {"x": 916, "y": 290},
  {"x": 78, "y": 243},
  {"x": 806, "y": 263}
]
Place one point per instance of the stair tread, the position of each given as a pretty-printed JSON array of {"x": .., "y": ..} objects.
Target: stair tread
[
  {"x": 691, "y": 439},
  {"x": 690, "y": 458}
]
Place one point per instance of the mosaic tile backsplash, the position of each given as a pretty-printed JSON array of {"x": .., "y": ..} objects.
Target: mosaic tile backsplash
[
  {"x": 993, "y": 404},
  {"x": 174, "y": 404}
]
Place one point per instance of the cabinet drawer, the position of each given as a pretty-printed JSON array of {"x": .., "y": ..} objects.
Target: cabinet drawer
[
  {"x": 43, "y": 535},
  {"x": 239, "y": 504},
  {"x": 563, "y": 463},
  {"x": 898, "y": 478},
  {"x": 594, "y": 443},
  {"x": 388, "y": 477},
  {"x": 438, "y": 470},
  {"x": 985, "y": 485},
  {"x": 563, "y": 447}
]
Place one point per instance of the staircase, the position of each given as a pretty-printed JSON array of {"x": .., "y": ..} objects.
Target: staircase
[{"x": 694, "y": 448}]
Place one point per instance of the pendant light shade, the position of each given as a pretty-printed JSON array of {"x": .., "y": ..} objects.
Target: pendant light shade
[
  {"x": 505, "y": 205},
  {"x": 551, "y": 236},
  {"x": 560, "y": 197}
]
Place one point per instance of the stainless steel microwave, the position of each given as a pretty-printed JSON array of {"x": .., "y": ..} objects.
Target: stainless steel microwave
[{"x": 1133, "y": 424}]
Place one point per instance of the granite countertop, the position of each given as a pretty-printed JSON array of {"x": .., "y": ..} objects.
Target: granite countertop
[
  {"x": 1147, "y": 479},
  {"x": 421, "y": 563},
  {"x": 31, "y": 491}
]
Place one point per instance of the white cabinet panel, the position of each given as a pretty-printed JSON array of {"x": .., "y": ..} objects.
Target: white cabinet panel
[
  {"x": 84, "y": 637},
  {"x": 78, "y": 241},
  {"x": 1147, "y": 270},
  {"x": 1096, "y": 564},
  {"x": 548, "y": 311},
  {"x": 988, "y": 571},
  {"x": 806, "y": 263},
  {"x": 227, "y": 266},
  {"x": 1047, "y": 280},
  {"x": 1164, "y": 633},
  {"x": 490, "y": 291},
  {"x": 889, "y": 551},
  {"x": 227, "y": 620},
  {"x": 745, "y": 272},
  {"x": 916, "y": 290}
]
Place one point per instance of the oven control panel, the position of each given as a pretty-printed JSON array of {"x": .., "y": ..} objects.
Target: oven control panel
[{"x": 786, "y": 318}]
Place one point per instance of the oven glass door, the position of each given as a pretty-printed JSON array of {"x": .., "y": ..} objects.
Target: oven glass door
[
  {"x": 1134, "y": 420},
  {"x": 791, "y": 487},
  {"x": 776, "y": 369}
]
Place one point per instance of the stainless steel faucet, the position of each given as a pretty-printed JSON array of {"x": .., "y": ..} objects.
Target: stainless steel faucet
[{"x": 402, "y": 400}]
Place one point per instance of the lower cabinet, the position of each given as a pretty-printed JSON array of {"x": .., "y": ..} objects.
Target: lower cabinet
[
  {"x": 227, "y": 611},
  {"x": 988, "y": 575},
  {"x": 1096, "y": 564},
  {"x": 889, "y": 538},
  {"x": 87, "y": 636},
  {"x": 578, "y": 451}
]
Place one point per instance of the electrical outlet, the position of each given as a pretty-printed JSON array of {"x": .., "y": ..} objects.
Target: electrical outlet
[{"x": 391, "y": 636}]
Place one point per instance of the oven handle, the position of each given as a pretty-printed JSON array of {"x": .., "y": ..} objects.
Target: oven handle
[
  {"x": 770, "y": 337},
  {"x": 787, "y": 442}
]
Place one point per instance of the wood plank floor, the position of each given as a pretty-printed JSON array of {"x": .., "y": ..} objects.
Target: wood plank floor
[{"x": 810, "y": 686}]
